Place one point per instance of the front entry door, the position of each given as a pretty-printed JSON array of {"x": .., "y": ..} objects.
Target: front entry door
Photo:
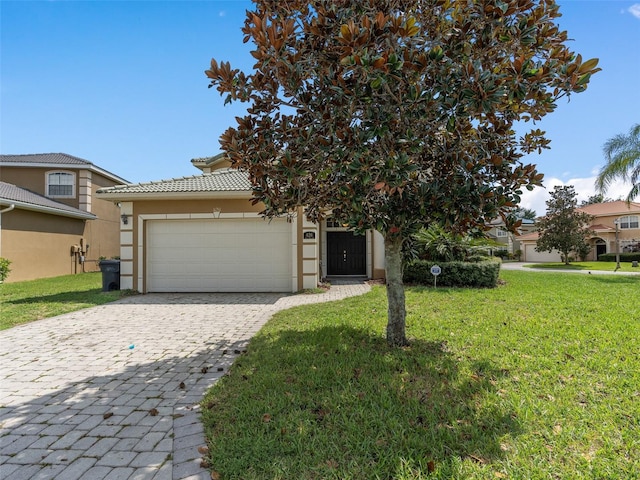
[{"x": 346, "y": 254}]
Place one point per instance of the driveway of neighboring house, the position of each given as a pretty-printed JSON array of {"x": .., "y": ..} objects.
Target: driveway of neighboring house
[{"x": 112, "y": 392}]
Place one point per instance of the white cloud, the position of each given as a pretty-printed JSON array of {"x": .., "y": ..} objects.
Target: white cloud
[
  {"x": 635, "y": 10},
  {"x": 584, "y": 187}
]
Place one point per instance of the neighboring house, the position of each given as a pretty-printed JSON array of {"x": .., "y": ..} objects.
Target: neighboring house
[
  {"x": 202, "y": 234},
  {"x": 50, "y": 222},
  {"x": 603, "y": 225},
  {"x": 511, "y": 241}
]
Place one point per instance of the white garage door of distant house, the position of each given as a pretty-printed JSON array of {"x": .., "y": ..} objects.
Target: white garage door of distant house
[
  {"x": 219, "y": 255},
  {"x": 532, "y": 256}
]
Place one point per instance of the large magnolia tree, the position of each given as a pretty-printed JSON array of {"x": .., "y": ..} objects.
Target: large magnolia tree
[{"x": 393, "y": 114}]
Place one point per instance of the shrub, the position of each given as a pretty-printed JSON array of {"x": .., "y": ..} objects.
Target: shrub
[
  {"x": 455, "y": 274},
  {"x": 624, "y": 257},
  {"x": 478, "y": 257},
  {"x": 501, "y": 252},
  {"x": 4, "y": 268},
  {"x": 438, "y": 245}
]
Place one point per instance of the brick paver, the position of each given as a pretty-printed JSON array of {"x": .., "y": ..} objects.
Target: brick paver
[{"x": 112, "y": 392}]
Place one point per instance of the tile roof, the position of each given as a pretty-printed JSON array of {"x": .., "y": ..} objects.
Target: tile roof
[
  {"x": 209, "y": 160},
  {"x": 227, "y": 180},
  {"x": 28, "y": 200},
  {"x": 49, "y": 158},
  {"x": 529, "y": 236},
  {"x": 61, "y": 160},
  {"x": 618, "y": 207}
]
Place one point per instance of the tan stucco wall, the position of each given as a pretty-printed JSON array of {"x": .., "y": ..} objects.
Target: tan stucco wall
[
  {"x": 39, "y": 244},
  {"x": 44, "y": 251}
]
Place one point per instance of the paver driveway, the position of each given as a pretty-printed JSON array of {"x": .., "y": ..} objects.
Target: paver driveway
[{"x": 112, "y": 392}]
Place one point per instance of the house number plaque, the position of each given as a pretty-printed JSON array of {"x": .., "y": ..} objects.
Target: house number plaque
[{"x": 309, "y": 235}]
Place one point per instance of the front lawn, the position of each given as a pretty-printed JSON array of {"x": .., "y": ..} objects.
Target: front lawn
[
  {"x": 22, "y": 302},
  {"x": 536, "y": 379},
  {"x": 625, "y": 267}
]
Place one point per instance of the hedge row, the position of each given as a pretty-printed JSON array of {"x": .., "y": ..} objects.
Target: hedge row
[
  {"x": 624, "y": 257},
  {"x": 454, "y": 274}
]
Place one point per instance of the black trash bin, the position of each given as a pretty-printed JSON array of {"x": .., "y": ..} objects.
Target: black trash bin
[{"x": 110, "y": 274}]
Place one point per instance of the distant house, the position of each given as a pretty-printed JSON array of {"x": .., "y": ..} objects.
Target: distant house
[
  {"x": 511, "y": 241},
  {"x": 603, "y": 225},
  {"x": 50, "y": 222}
]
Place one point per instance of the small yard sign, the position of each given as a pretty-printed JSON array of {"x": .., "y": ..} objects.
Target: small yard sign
[{"x": 435, "y": 271}]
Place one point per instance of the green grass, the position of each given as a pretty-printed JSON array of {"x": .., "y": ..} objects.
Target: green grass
[
  {"x": 536, "y": 379},
  {"x": 22, "y": 302},
  {"x": 602, "y": 266}
]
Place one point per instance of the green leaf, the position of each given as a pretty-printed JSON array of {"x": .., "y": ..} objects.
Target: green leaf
[{"x": 583, "y": 79}]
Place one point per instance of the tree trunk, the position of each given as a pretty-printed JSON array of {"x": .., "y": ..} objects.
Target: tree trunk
[{"x": 396, "y": 314}]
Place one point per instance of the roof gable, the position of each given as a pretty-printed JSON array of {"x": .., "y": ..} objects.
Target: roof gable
[{"x": 55, "y": 160}]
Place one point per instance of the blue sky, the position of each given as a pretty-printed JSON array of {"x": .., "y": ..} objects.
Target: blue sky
[{"x": 121, "y": 84}]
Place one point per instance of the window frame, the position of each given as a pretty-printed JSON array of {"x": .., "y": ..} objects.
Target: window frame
[
  {"x": 629, "y": 222},
  {"x": 59, "y": 174}
]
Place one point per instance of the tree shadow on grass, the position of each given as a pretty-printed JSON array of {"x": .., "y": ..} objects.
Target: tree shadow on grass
[
  {"x": 83, "y": 296},
  {"x": 337, "y": 402}
]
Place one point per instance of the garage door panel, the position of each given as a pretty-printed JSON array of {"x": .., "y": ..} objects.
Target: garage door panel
[
  {"x": 218, "y": 255},
  {"x": 531, "y": 255}
]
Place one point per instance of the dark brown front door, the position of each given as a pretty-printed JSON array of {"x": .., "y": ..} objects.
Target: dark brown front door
[{"x": 346, "y": 254}]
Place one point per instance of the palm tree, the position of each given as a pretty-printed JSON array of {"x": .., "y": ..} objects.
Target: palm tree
[{"x": 623, "y": 161}]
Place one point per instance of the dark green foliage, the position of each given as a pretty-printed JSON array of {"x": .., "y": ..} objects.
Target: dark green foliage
[
  {"x": 624, "y": 257},
  {"x": 501, "y": 252},
  {"x": 437, "y": 244},
  {"x": 478, "y": 257},
  {"x": 455, "y": 274}
]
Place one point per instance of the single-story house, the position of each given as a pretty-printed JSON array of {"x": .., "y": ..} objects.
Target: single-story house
[
  {"x": 603, "y": 225},
  {"x": 50, "y": 222},
  {"x": 202, "y": 234}
]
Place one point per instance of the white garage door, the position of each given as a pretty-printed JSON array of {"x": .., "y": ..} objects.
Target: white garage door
[
  {"x": 219, "y": 255},
  {"x": 532, "y": 256}
]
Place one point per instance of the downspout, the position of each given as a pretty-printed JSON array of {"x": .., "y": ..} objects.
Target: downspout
[{"x": 5, "y": 210}]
